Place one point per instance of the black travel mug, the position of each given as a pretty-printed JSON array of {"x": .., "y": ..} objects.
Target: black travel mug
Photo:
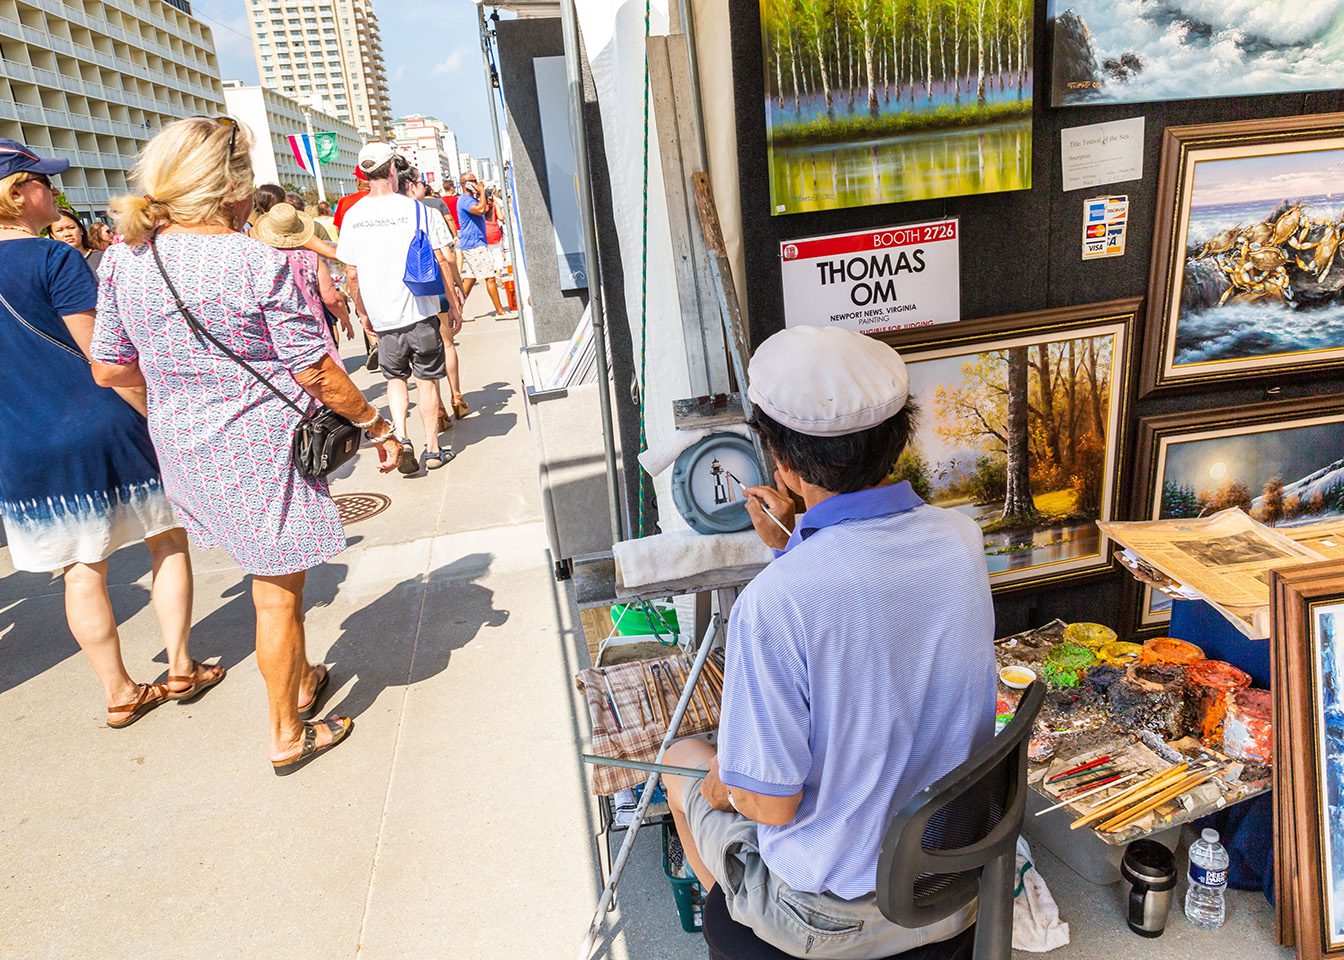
[{"x": 1150, "y": 870}]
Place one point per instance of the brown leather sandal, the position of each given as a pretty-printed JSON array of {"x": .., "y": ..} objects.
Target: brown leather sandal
[
  {"x": 198, "y": 685},
  {"x": 151, "y": 696},
  {"x": 307, "y": 710},
  {"x": 445, "y": 421},
  {"x": 340, "y": 728},
  {"x": 460, "y": 408}
]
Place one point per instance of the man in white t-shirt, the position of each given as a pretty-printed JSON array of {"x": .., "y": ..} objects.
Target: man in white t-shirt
[{"x": 375, "y": 238}]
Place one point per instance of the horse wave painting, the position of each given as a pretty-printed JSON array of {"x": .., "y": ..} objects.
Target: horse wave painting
[{"x": 1136, "y": 51}]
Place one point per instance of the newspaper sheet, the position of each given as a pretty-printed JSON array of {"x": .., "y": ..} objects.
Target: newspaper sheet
[
  {"x": 1225, "y": 558},
  {"x": 1326, "y": 537}
]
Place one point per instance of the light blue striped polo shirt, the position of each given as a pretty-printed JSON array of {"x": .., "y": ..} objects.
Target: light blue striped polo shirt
[{"x": 860, "y": 670}]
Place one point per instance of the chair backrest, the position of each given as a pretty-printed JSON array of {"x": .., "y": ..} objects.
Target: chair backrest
[{"x": 935, "y": 849}]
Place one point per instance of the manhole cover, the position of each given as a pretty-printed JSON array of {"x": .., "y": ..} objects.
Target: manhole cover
[{"x": 355, "y": 507}]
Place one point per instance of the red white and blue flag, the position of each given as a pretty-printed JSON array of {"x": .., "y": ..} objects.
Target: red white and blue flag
[{"x": 305, "y": 151}]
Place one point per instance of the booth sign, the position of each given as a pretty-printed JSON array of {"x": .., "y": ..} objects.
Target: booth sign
[{"x": 894, "y": 278}]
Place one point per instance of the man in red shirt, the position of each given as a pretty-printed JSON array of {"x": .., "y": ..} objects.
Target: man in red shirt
[{"x": 350, "y": 199}]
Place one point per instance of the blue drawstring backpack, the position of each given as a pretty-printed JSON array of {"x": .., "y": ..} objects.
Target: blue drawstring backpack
[{"x": 422, "y": 275}]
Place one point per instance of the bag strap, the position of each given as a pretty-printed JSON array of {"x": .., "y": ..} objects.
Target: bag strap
[
  {"x": 199, "y": 329},
  {"x": 41, "y": 333}
]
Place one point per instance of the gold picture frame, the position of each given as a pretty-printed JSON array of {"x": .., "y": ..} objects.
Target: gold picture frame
[
  {"x": 1070, "y": 478},
  {"x": 1247, "y": 275}
]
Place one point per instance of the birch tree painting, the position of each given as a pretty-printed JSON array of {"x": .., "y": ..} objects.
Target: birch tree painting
[{"x": 879, "y": 101}]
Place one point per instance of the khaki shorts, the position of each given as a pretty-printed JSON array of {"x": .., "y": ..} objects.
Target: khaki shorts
[
  {"x": 801, "y": 924},
  {"x": 477, "y": 263}
]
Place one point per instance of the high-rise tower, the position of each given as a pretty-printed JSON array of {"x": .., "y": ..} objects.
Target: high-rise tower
[{"x": 324, "y": 50}]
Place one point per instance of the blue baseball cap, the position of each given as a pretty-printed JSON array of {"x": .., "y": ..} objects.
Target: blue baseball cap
[{"x": 16, "y": 158}]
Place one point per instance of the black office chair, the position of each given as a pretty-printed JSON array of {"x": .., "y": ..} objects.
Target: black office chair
[{"x": 955, "y": 840}]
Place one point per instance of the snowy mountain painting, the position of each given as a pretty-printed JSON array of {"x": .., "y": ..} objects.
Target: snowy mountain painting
[
  {"x": 1133, "y": 51},
  {"x": 1283, "y": 474}
]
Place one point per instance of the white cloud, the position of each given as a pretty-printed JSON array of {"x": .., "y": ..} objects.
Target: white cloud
[{"x": 450, "y": 64}]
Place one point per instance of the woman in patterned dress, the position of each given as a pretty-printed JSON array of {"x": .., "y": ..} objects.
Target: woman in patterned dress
[
  {"x": 223, "y": 439},
  {"x": 78, "y": 477}
]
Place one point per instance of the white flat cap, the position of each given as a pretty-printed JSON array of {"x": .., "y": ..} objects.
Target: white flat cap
[{"x": 826, "y": 382}]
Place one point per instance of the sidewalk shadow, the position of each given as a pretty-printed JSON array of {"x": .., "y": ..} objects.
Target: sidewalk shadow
[
  {"x": 449, "y": 610},
  {"x": 488, "y": 416},
  {"x": 230, "y": 631},
  {"x": 34, "y": 635}
]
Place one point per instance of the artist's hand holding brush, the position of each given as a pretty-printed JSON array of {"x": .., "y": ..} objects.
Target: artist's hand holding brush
[{"x": 776, "y": 500}]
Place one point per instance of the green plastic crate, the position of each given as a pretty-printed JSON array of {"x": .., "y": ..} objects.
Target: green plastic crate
[
  {"x": 690, "y": 896},
  {"x": 634, "y": 622}
]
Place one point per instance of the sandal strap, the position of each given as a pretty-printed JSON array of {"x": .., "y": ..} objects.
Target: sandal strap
[
  {"x": 146, "y": 689},
  {"x": 192, "y": 677}
]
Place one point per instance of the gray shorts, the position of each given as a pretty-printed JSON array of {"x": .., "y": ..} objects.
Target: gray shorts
[
  {"x": 801, "y": 924},
  {"x": 416, "y": 351}
]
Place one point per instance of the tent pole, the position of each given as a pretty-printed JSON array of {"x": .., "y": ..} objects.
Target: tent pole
[
  {"x": 505, "y": 169},
  {"x": 569, "y": 21},
  {"x": 693, "y": 57}
]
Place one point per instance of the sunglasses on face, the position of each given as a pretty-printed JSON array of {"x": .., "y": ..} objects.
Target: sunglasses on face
[{"x": 41, "y": 178}]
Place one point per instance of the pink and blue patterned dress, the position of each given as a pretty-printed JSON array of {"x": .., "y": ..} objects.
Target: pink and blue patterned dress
[
  {"x": 78, "y": 475},
  {"x": 223, "y": 439}
]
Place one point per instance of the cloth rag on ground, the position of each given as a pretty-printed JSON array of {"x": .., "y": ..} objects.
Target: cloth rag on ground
[
  {"x": 1036, "y": 924},
  {"x": 687, "y": 555}
]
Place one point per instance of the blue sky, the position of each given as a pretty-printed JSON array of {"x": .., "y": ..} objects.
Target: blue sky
[{"x": 433, "y": 60}]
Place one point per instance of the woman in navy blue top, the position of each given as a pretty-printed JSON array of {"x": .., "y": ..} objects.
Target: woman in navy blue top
[{"x": 79, "y": 480}]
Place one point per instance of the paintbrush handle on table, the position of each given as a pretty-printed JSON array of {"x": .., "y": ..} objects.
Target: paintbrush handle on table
[{"x": 1083, "y": 796}]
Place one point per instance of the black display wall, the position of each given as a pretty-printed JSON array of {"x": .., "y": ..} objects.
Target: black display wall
[{"x": 1020, "y": 251}]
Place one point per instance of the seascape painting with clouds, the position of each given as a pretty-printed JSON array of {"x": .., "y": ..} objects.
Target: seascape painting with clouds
[{"x": 1134, "y": 51}]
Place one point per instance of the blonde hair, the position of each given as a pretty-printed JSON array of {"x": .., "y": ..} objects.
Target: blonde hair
[
  {"x": 184, "y": 177},
  {"x": 10, "y": 207}
]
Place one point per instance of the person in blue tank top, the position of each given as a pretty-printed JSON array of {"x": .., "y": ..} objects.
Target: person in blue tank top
[{"x": 80, "y": 480}]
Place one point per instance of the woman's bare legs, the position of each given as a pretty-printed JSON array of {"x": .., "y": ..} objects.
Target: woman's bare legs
[
  {"x": 283, "y": 659},
  {"x": 172, "y": 594},
  {"x": 88, "y": 611}
]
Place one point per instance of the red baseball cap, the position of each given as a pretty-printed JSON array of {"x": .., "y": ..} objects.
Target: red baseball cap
[{"x": 359, "y": 174}]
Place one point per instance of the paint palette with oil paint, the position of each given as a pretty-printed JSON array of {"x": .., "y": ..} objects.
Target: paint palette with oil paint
[{"x": 708, "y": 479}]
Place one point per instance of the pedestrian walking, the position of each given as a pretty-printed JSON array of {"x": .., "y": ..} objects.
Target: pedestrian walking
[
  {"x": 100, "y": 236},
  {"x": 287, "y": 230},
  {"x": 494, "y": 234},
  {"x": 375, "y": 240},
  {"x": 476, "y": 262},
  {"x": 326, "y": 220},
  {"x": 68, "y": 229},
  {"x": 79, "y": 480},
  {"x": 224, "y": 439},
  {"x": 418, "y": 190},
  {"x": 344, "y": 204}
]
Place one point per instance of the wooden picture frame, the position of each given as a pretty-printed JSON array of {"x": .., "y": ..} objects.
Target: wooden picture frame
[
  {"x": 1053, "y": 536},
  {"x": 1157, "y": 435},
  {"x": 1310, "y": 865},
  {"x": 1214, "y": 314}
]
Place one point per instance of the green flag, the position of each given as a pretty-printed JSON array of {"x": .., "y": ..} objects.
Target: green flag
[{"x": 327, "y": 150}]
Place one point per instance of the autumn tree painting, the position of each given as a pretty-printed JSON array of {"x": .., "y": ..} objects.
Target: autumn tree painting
[
  {"x": 878, "y": 101},
  {"x": 1018, "y": 439}
]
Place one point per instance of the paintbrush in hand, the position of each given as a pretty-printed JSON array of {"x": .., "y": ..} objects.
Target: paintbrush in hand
[{"x": 743, "y": 488}]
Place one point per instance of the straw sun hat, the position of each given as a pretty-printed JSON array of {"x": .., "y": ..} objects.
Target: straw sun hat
[{"x": 284, "y": 228}]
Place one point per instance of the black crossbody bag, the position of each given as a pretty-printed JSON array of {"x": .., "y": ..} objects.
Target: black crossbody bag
[{"x": 323, "y": 439}]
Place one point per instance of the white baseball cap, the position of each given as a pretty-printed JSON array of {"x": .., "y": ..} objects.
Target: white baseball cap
[
  {"x": 373, "y": 155},
  {"x": 826, "y": 381}
]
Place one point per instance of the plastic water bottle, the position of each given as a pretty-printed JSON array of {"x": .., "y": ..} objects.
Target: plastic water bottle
[{"x": 1204, "y": 905}]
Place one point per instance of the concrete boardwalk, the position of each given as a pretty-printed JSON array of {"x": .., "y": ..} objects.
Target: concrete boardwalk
[{"x": 455, "y": 823}]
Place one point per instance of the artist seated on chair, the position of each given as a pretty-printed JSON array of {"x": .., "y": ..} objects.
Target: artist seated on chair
[{"x": 860, "y": 663}]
